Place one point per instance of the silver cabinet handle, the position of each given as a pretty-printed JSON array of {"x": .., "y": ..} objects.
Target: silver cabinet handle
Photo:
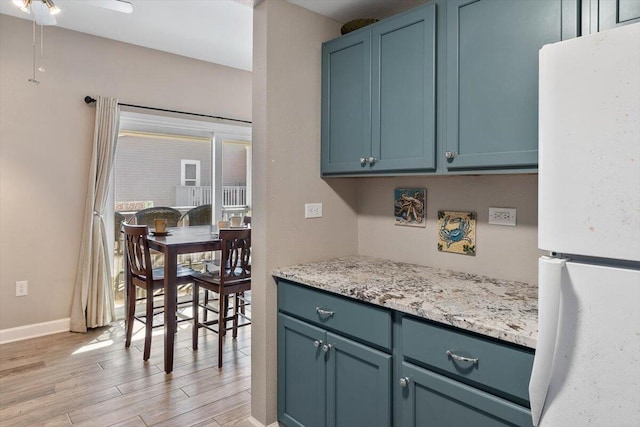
[
  {"x": 317, "y": 343},
  {"x": 363, "y": 161},
  {"x": 323, "y": 312},
  {"x": 404, "y": 381},
  {"x": 326, "y": 348},
  {"x": 449, "y": 155},
  {"x": 372, "y": 161},
  {"x": 454, "y": 356}
]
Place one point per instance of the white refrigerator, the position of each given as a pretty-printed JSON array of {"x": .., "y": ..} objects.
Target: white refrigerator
[{"x": 587, "y": 364}]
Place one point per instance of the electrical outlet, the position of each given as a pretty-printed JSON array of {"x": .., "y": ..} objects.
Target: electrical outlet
[
  {"x": 313, "y": 210},
  {"x": 21, "y": 288},
  {"x": 502, "y": 216}
]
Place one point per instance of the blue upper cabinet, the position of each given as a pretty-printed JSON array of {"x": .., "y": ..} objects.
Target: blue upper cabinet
[
  {"x": 600, "y": 15},
  {"x": 403, "y": 96},
  {"x": 346, "y": 102},
  {"x": 492, "y": 79},
  {"x": 378, "y": 97}
]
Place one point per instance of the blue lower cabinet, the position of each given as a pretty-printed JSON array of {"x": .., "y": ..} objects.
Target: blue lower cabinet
[
  {"x": 325, "y": 379},
  {"x": 432, "y": 400},
  {"x": 301, "y": 373},
  {"x": 358, "y": 384},
  {"x": 402, "y": 371}
]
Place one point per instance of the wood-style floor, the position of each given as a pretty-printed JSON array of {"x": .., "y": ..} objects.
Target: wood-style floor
[{"x": 91, "y": 379}]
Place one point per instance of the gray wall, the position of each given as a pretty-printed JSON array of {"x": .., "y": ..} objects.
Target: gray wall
[
  {"x": 286, "y": 175},
  {"x": 148, "y": 168},
  {"x": 234, "y": 168}
]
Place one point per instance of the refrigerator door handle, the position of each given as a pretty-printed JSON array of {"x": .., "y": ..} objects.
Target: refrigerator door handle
[{"x": 549, "y": 281}]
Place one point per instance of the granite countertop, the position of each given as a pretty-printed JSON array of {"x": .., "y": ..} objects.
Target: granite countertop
[{"x": 497, "y": 308}]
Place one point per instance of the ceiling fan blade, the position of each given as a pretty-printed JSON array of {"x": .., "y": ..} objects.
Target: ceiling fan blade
[
  {"x": 41, "y": 13},
  {"x": 117, "y": 5}
]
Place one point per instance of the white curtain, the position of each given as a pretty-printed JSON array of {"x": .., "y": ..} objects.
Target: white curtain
[{"x": 92, "y": 304}]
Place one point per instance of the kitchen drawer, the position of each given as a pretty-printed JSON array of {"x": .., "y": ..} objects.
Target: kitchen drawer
[
  {"x": 500, "y": 368},
  {"x": 358, "y": 320}
]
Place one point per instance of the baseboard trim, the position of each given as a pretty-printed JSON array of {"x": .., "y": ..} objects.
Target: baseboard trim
[
  {"x": 257, "y": 423},
  {"x": 35, "y": 330}
]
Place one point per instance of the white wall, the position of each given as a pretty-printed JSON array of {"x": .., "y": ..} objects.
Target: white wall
[{"x": 45, "y": 145}]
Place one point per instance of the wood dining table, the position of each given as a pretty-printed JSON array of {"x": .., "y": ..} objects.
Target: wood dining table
[{"x": 179, "y": 240}]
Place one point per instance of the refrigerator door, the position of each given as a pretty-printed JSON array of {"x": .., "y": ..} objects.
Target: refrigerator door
[
  {"x": 594, "y": 376},
  {"x": 589, "y": 145}
]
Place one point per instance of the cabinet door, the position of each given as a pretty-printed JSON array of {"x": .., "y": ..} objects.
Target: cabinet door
[
  {"x": 358, "y": 384},
  {"x": 346, "y": 103},
  {"x": 301, "y": 373},
  {"x": 403, "y": 94},
  {"x": 492, "y": 78},
  {"x": 603, "y": 15},
  {"x": 432, "y": 400}
]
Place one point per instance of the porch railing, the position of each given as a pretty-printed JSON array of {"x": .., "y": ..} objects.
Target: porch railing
[
  {"x": 192, "y": 196},
  {"x": 232, "y": 195}
]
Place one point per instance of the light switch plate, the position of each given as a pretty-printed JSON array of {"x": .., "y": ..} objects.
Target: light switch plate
[
  {"x": 502, "y": 216},
  {"x": 313, "y": 210}
]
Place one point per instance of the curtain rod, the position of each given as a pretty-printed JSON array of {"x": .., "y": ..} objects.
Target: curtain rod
[{"x": 90, "y": 100}]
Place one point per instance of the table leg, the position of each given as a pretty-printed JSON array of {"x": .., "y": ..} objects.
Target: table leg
[{"x": 170, "y": 307}]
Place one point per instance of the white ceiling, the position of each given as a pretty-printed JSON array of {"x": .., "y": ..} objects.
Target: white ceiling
[{"x": 218, "y": 31}]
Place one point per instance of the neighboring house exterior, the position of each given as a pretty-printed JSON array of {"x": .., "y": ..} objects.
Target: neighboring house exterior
[{"x": 150, "y": 168}]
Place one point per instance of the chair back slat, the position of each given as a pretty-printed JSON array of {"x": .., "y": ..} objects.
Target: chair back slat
[
  {"x": 236, "y": 254},
  {"x": 138, "y": 253}
]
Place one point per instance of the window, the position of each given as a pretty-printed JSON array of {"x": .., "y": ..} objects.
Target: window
[{"x": 190, "y": 173}]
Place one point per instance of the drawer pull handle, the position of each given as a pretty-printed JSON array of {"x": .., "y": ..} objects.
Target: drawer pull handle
[
  {"x": 323, "y": 312},
  {"x": 454, "y": 356},
  {"x": 326, "y": 348},
  {"x": 317, "y": 343}
]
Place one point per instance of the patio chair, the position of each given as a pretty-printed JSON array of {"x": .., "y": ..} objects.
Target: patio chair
[
  {"x": 143, "y": 276},
  {"x": 233, "y": 278},
  {"x": 118, "y": 220},
  {"x": 148, "y": 215},
  {"x": 200, "y": 215}
]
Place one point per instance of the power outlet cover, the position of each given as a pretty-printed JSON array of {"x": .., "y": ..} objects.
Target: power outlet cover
[
  {"x": 21, "y": 288},
  {"x": 313, "y": 210},
  {"x": 502, "y": 216}
]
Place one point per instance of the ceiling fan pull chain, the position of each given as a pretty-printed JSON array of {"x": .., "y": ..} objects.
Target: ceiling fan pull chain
[
  {"x": 33, "y": 78},
  {"x": 41, "y": 67}
]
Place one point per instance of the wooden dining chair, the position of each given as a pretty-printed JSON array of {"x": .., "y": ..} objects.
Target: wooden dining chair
[
  {"x": 143, "y": 276},
  {"x": 233, "y": 277}
]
